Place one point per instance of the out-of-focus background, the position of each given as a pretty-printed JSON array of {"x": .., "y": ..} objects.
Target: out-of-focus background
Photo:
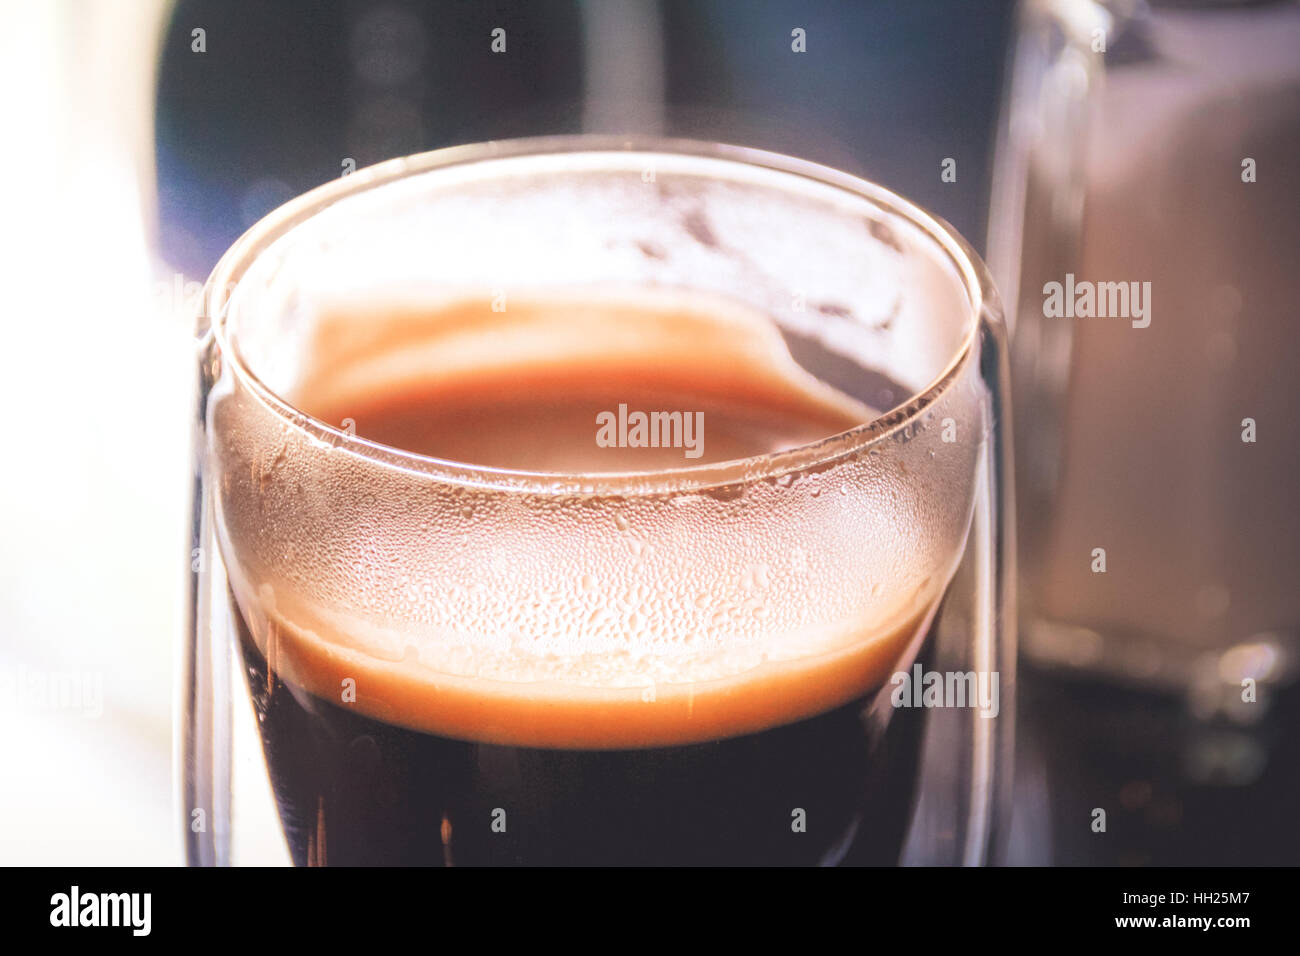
[{"x": 142, "y": 138}]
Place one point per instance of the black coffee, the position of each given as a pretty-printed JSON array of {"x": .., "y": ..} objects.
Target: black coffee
[{"x": 354, "y": 791}]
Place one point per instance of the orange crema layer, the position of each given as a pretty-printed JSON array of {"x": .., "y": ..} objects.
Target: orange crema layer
[{"x": 568, "y": 715}]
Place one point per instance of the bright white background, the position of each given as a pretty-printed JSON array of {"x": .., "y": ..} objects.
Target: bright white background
[{"x": 96, "y": 381}]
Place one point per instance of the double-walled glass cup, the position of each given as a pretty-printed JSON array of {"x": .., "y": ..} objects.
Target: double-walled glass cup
[{"x": 802, "y": 657}]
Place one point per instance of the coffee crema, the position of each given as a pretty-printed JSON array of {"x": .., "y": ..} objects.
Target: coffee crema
[{"x": 522, "y": 390}]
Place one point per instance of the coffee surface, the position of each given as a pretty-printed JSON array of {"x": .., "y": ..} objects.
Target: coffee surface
[
  {"x": 615, "y": 660},
  {"x": 536, "y": 388}
]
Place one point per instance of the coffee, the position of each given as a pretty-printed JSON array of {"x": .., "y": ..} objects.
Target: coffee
[
  {"x": 354, "y": 790},
  {"x": 617, "y": 718}
]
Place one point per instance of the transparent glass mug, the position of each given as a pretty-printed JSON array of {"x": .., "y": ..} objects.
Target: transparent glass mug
[
  {"x": 1137, "y": 162},
  {"x": 400, "y": 659}
]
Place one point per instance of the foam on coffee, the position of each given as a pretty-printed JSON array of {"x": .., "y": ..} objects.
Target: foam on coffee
[{"x": 599, "y": 621}]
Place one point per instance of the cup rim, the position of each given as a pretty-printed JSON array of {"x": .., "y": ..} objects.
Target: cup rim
[{"x": 235, "y": 262}]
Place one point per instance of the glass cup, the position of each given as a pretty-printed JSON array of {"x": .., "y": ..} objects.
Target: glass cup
[
  {"x": 805, "y": 657},
  {"x": 1158, "y": 533}
]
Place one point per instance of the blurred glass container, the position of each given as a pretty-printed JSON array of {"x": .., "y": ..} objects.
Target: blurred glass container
[{"x": 1127, "y": 141}]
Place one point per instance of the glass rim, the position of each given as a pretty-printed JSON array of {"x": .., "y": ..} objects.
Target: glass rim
[{"x": 235, "y": 262}]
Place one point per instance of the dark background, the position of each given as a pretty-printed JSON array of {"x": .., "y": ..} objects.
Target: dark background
[{"x": 289, "y": 88}]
